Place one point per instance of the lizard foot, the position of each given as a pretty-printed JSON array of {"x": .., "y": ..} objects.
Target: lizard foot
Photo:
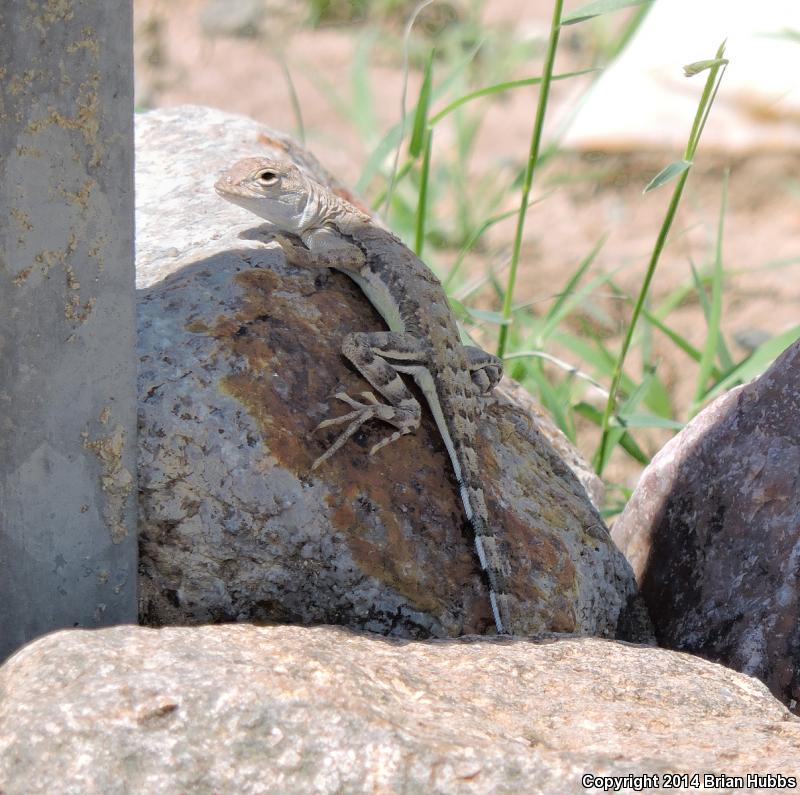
[{"x": 372, "y": 409}]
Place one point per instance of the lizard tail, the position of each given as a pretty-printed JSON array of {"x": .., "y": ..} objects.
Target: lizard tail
[
  {"x": 496, "y": 572},
  {"x": 466, "y": 467}
]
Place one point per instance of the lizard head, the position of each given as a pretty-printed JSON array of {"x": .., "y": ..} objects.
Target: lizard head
[{"x": 275, "y": 190}]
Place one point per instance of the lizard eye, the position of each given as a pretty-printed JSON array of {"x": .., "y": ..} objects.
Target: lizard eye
[{"x": 267, "y": 177}]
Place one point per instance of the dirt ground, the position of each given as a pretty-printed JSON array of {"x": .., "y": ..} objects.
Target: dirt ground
[{"x": 184, "y": 55}]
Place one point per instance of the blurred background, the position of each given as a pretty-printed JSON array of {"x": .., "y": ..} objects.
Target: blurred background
[{"x": 337, "y": 76}]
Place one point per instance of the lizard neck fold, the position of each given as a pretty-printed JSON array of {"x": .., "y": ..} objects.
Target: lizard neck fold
[
  {"x": 323, "y": 208},
  {"x": 316, "y": 209}
]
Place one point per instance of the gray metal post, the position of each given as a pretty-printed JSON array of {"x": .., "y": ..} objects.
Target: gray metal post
[{"x": 67, "y": 366}]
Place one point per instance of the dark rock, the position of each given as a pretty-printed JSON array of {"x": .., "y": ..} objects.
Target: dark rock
[{"x": 713, "y": 531}]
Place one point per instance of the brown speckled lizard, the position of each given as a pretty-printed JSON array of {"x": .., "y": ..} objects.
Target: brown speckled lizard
[{"x": 422, "y": 341}]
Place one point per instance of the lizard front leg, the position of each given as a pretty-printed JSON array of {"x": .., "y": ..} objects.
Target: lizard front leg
[
  {"x": 486, "y": 370},
  {"x": 371, "y": 354},
  {"x": 321, "y": 248}
]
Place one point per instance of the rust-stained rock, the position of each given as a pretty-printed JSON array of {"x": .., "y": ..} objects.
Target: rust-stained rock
[
  {"x": 239, "y": 357},
  {"x": 713, "y": 531},
  {"x": 284, "y": 710}
]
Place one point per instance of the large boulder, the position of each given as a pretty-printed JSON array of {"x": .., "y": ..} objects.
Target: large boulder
[
  {"x": 238, "y": 708},
  {"x": 239, "y": 354},
  {"x": 713, "y": 531}
]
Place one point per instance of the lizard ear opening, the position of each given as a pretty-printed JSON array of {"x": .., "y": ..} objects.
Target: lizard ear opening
[{"x": 267, "y": 177}]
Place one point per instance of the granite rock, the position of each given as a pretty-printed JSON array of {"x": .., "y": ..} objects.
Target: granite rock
[{"x": 284, "y": 710}]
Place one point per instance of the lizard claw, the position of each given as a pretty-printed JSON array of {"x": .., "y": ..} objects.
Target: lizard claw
[
  {"x": 359, "y": 409},
  {"x": 345, "y": 398},
  {"x": 362, "y": 412},
  {"x": 344, "y": 436},
  {"x": 388, "y": 440},
  {"x": 338, "y": 420}
]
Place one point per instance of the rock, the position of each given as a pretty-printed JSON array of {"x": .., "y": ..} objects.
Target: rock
[
  {"x": 239, "y": 354},
  {"x": 589, "y": 479},
  {"x": 713, "y": 531},
  {"x": 247, "y": 709}
]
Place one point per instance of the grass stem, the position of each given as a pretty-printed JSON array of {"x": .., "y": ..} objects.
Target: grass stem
[
  {"x": 533, "y": 155},
  {"x": 706, "y": 100}
]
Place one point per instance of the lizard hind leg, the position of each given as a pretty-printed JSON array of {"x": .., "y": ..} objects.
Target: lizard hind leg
[{"x": 369, "y": 352}]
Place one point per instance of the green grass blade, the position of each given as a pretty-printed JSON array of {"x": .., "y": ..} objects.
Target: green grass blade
[
  {"x": 637, "y": 395},
  {"x": 714, "y": 315},
  {"x": 692, "y": 69},
  {"x": 659, "y": 399},
  {"x": 568, "y": 368},
  {"x": 382, "y": 197},
  {"x": 667, "y": 174},
  {"x": 406, "y": 44},
  {"x": 362, "y": 105},
  {"x": 707, "y": 99},
  {"x": 331, "y": 92},
  {"x": 566, "y": 301},
  {"x": 553, "y": 402},
  {"x": 422, "y": 203},
  {"x": 649, "y": 421},
  {"x": 486, "y": 316},
  {"x": 678, "y": 340},
  {"x": 699, "y": 286},
  {"x": 756, "y": 363},
  {"x": 419, "y": 129},
  {"x": 772, "y": 265},
  {"x": 626, "y": 441},
  {"x": 628, "y": 31},
  {"x": 699, "y": 281},
  {"x": 393, "y": 137},
  {"x": 787, "y": 33},
  {"x": 476, "y": 235},
  {"x": 598, "y": 7},
  {"x": 617, "y": 424},
  {"x": 591, "y": 350},
  {"x": 481, "y": 315},
  {"x": 294, "y": 100},
  {"x": 499, "y": 87},
  {"x": 533, "y": 155}
]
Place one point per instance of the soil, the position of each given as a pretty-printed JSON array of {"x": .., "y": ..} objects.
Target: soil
[{"x": 184, "y": 55}]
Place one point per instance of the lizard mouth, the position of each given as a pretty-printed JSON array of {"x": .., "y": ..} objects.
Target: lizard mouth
[{"x": 223, "y": 186}]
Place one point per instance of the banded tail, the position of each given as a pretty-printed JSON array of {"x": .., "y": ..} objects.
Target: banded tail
[
  {"x": 492, "y": 562},
  {"x": 460, "y": 448}
]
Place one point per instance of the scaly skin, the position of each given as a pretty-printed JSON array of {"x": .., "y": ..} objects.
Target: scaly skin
[{"x": 423, "y": 338}]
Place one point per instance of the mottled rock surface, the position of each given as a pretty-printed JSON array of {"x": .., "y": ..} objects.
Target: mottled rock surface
[
  {"x": 287, "y": 710},
  {"x": 239, "y": 354},
  {"x": 713, "y": 531}
]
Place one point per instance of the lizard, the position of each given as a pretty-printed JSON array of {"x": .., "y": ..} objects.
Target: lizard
[{"x": 318, "y": 229}]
